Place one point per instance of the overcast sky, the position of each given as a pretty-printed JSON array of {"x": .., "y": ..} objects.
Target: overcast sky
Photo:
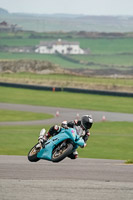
[{"x": 87, "y": 7}]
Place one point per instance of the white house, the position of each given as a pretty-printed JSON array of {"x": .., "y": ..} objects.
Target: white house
[{"x": 59, "y": 46}]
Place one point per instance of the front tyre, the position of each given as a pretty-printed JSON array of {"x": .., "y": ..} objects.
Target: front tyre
[
  {"x": 32, "y": 155},
  {"x": 61, "y": 151}
]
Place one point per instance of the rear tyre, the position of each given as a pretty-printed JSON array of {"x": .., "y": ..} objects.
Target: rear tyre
[
  {"x": 61, "y": 151},
  {"x": 32, "y": 155}
]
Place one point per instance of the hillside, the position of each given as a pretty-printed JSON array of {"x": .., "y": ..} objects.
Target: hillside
[
  {"x": 63, "y": 22},
  {"x": 111, "y": 57},
  {"x": 3, "y": 12},
  {"x": 32, "y": 66}
]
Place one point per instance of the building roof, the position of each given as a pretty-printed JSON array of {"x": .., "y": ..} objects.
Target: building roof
[
  {"x": 9, "y": 27},
  {"x": 57, "y": 42},
  {"x": 4, "y": 23}
]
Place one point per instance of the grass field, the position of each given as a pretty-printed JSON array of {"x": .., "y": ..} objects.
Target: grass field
[
  {"x": 109, "y": 140},
  {"x": 19, "y": 42},
  {"x": 11, "y": 115},
  {"x": 67, "y": 100},
  {"x": 120, "y": 62},
  {"x": 34, "y": 56},
  {"x": 107, "y": 46},
  {"x": 68, "y": 79},
  {"x": 105, "y": 53},
  {"x": 97, "y": 46}
]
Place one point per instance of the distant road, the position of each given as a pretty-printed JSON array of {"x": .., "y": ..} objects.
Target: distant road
[{"x": 64, "y": 114}]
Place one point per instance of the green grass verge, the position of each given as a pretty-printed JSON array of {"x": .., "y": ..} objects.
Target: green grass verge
[
  {"x": 108, "y": 140},
  {"x": 11, "y": 115},
  {"x": 69, "y": 80},
  {"x": 67, "y": 100},
  {"x": 66, "y": 79},
  {"x": 129, "y": 162},
  {"x": 17, "y": 140}
]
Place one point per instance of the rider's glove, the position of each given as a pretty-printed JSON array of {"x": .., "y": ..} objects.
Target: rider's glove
[
  {"x": 57, "y": 128},
  {"x": 88, "y": 133},
  {"x": 75, "y": 121},
  {"x": 84, "y": 145}
]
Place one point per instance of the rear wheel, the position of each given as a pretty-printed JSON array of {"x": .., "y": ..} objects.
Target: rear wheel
[
  {"x": 62, "y": 151},
  {"x": 32, "y": 155}
]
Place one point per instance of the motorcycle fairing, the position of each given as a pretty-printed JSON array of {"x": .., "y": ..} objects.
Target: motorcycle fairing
[{"x": 46, "y": 153}]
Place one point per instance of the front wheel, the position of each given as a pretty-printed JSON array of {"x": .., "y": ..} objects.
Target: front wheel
[
  {"x": 62, "y": 151},
  {"x": 32, "y": 155}
]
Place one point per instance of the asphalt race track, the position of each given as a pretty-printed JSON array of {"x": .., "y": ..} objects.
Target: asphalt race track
[
  {"x": 64, "y": 114},
  {"x": 80, "y": 179}
]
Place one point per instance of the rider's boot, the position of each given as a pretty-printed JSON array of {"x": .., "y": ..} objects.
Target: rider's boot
[{"x": 73, "y": 155}]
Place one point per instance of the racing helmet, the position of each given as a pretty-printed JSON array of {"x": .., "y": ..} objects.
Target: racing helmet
[
  {"x": 64, "y": 124},
  {"x": 86, "y": 122}
]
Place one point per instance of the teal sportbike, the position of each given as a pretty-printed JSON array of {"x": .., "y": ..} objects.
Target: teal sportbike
[{"x": 58, "y": 147}]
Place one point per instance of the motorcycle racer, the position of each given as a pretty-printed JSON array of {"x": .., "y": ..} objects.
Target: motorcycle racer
[{"x": 81, "y": 126}]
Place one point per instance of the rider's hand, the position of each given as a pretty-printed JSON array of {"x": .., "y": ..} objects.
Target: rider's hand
[
  {"x": 84, "y": 145},
  {"x": 88, "y": 133}
]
